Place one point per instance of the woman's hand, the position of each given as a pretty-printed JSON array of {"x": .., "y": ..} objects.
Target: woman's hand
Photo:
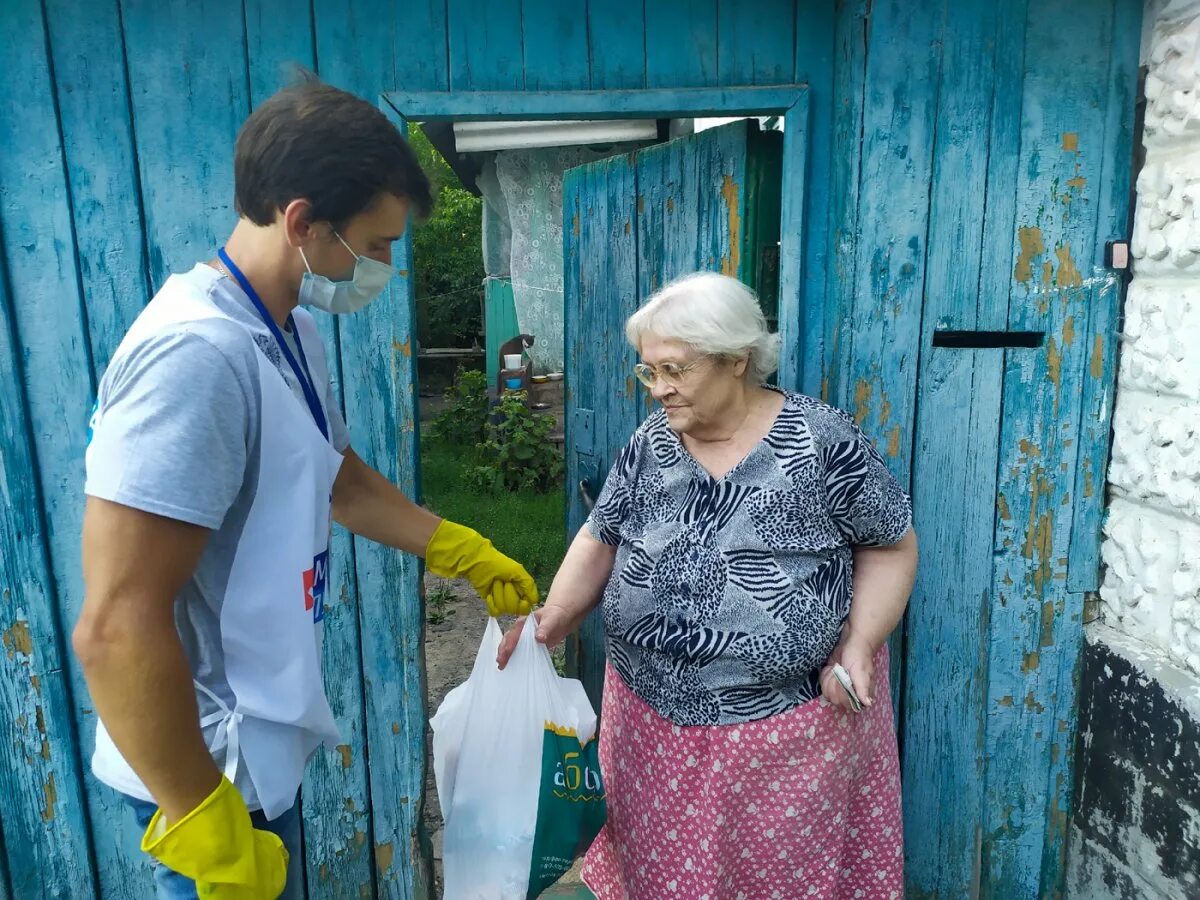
[
  {"x": 554, "y": 624},
  {"x": 857, "y": 657}
]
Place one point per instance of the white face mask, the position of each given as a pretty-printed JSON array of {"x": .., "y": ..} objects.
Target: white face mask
[{"x": 341, "y": 297}]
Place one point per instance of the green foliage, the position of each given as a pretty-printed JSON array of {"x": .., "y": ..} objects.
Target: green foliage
[
  {"x": 518, "y": 454},
  {"x": 447, "y": 257},
  {"x": 529, "y": 527},
  {"x": 464, "y": 421},
  {"x": 438, "y": 605}
]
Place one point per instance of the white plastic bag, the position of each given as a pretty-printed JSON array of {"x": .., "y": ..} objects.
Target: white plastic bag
[{"x": 517, "y": 773}]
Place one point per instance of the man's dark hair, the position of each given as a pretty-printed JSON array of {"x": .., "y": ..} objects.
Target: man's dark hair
[{"x": 315, "y": 141}]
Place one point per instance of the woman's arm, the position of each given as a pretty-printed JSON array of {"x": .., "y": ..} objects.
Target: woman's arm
[
  {"x": 576, "y": 590},
  {"x": 883, "y": 581}
]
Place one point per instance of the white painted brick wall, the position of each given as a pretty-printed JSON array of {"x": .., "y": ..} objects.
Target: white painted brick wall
[{"x": 1151, "y": 588}]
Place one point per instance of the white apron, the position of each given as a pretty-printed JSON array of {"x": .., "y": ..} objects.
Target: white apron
[{"x": 272, "y": 612}]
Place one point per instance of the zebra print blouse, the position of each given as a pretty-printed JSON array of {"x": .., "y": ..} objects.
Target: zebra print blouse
[{"x": 728, "y": 595}]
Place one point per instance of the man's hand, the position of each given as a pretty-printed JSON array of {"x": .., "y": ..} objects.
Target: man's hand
[{"x": 455, "y": 551}]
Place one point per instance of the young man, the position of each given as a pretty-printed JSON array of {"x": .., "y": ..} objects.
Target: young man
[{"x": 217, "y": 460}]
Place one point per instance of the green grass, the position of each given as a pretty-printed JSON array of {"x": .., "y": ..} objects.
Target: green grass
[{"x": 531, "y": 528}]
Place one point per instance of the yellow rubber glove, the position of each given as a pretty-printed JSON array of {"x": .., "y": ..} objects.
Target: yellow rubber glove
[
  {"x": 456, "y": 551},
  {"x": 216, "y": 846}
]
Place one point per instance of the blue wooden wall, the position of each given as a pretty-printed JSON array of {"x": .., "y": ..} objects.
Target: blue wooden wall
[{"x": 116, "y": 130}]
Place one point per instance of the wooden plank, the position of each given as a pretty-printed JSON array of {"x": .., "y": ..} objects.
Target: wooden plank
[
  {"x": 379, "y": 376},
  {"x": 471, "y": 106},
  {"x": 555, "y": 44},
  {"x": 485, "y": 45},
  {"x": 41, "y": 797},
  {"x": 5, "y": 882},
  {"x": 616, "y": 45},
  {"x": 954, "y": 487},
  {"x": 190, "y": 96},
  {"x": 47, "y": 371},
  {"x": 681, "y": 43},
  {"x": 830, "y": 380},
  {"x": 794, "y": 244},
  {"x": 500, "y": 323},
  {"x": 817, "y": 29},
  {"x": 1103, "y": 303},
  {"x": 93, "y": 98},
  {"x": 279, "y": 40},
  {"x": 1036, "y": 628},
  {"x": 1105, "y": 306},
  {"x": 600, "y": 240},
  {"x": 756, "y": 42},
  {"x": 694, "y": 192},
  {"x": 884, "y": 328},
  {"x": 93, "y": 103},
  {"x": 369, "y": 46}
]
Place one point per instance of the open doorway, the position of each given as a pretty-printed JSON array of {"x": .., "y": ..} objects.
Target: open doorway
[{"x": 500, "y": 187}]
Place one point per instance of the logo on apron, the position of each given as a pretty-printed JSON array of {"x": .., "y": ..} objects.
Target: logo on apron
[{"x": 314, "y": 585}]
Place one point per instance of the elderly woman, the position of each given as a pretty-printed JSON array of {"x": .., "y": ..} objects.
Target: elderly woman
[{"x": 747, "y": 539}]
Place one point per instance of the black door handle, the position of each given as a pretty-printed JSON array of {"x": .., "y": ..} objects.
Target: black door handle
[{"x": 585, "y": 493}]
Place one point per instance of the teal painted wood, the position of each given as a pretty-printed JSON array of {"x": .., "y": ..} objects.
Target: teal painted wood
[
  {"x": 1099, "y": 344},
  {"x": 41, "y": 801},
  {"x": 470, "y": 106},
  {"x": 694, "y": 193},
  {"x": 93, "y": 103},
  {"x": 954, "y": 486},
  {"x": 93, "y": 99},
  {"x": 368, "y": 46},
  {"x": 5, "y": 883},
  {"x": 1083, "y": 572},
  {"x": 794, "y": 241},
  {"x": 336, "y": 792},
  {"x": 601, "y": 246},
  {"x": 830, "y": 380},
  {"x": 756, "y": 42},
  {"x": 279, "y": 40},
  {"x": 379, "y": 376},
  {"x": 578, "y": 388},
  {"x": 885, "y": 322},
  {"x": 803, "y": 365},
  {"x": 555, "y": 43},
  {"x": 499, "y": 322},
  {"x": 681, "y": 43},
  {"x": 485, "y": 45},
  {"x": 48, "y": 376},
  {"x": 616, "y": 45},
  {"x": 190, "y": 95},
  {"x": 1036, "y": 627}
]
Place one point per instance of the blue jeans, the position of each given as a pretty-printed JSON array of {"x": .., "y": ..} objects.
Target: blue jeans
[{"x": 173, "y": 886}]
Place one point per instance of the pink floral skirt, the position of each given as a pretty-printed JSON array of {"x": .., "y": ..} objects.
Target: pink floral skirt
[{"x": 802, "y": 804}]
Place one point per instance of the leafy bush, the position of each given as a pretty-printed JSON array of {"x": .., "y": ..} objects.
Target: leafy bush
[
  {"x": 447, "y": 256},
  {"x": 518, "y": 454},
  {"x": 464, "y": 421}
]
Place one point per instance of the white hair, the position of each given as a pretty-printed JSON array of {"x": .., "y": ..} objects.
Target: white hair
[{"x": 714, "y": 314}]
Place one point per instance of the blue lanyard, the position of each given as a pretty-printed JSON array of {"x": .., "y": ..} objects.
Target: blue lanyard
[{"x": 307, "y": 386}]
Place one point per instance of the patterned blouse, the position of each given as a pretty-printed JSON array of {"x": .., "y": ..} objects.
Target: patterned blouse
[{"x": 728, "y": 595}]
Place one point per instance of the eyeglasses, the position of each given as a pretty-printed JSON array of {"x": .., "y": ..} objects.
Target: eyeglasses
[{"x": 670, "y": 374}]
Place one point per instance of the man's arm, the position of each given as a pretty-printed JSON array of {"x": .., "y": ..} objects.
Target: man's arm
[
  {"x": 371, "y": 506},
  {"x": 134, "y": 564},
  {"x": 367, "y": 504}
]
